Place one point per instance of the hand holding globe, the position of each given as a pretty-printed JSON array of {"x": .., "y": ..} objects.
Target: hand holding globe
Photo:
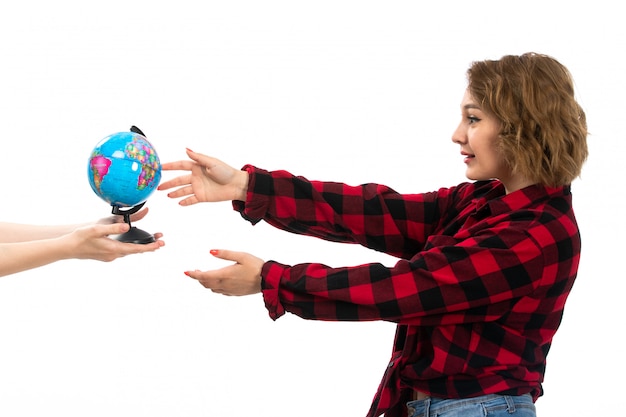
[{"x": 123, "y": 170}]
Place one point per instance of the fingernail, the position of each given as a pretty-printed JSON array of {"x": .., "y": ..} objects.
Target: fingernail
[
  {"x": 187, "y": 273},
  {"x": 214, "y": 252},
  {"x": 189, "y": 150}
]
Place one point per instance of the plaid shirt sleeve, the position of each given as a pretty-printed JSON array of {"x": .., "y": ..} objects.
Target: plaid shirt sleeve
[
  {"x": 372, "y": 215},
  {"x": 479, "y": 287}
]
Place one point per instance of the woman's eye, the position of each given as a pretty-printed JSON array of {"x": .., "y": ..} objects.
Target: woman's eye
[{"x": 473, "y": 119}]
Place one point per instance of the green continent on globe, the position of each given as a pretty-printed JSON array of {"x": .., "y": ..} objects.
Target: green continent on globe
[{"x": 141, "y": 151}]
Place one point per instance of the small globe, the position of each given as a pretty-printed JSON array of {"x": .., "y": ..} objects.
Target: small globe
[{"x": 124, "y": 169}]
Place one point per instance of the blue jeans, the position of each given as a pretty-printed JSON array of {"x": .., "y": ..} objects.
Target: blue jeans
[{"x": 485, "y": 406}]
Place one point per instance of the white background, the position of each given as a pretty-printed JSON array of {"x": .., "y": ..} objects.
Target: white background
[{"x": 353, "y": 91}]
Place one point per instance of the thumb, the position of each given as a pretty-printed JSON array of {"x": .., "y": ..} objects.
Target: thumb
[
  {"x": 115, "y": 228},
  {"x": 198, "y": 157},
  {"x": 228, "y": 255},
  {"x": 202, "y": 159}
]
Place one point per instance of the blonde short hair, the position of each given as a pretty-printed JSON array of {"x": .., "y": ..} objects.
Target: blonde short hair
[{"x": 544, "y": 129}]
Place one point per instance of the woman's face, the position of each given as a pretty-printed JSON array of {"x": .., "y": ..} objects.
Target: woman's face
[{"x": 477, "y": 134}]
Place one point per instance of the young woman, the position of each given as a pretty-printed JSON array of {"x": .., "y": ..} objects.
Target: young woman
[
  {"x": 484, "y": 267},
  {"x": 25, "y": 246}
]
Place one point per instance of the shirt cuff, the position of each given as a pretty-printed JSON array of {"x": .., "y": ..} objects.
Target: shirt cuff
[
  {"x": 271, "y": 274},
  {"x": 257, "y": 197}
]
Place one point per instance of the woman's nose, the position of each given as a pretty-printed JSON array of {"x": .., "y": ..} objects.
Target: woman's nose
[{"x": 458, "y": 136}]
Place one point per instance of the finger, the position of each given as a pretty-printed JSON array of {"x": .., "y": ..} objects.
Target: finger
[
  {"x": 195, "y": 274},
  {"x": 139, "y": 215},
  {"x": 202, "y": 159},
  {"x": 228, "y": 255},
  {"x": 112, "y": 229},
  {"x": 181, "y": 192},
  {"x": 153, "y": 245},
  {"x": 175, "y": 182},
  {"x": 149, "y": 247},
  {"x": 209, "y": 279},
  {"x": 177, "y": 166},
  {"x": 191, "y": 200},
  {"x": 134, "y": 248},
  {"x": 193, "y": 155},
  {"x": 131, "y": 248}
]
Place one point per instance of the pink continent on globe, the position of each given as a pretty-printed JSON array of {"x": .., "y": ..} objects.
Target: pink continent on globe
[{"x": 99, "y": 167}]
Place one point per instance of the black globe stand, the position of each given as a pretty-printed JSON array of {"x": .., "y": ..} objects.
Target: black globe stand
[{"x": 134, "y": 235}]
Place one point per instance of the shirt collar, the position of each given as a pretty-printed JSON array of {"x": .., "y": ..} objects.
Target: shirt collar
[{"x": 497, "y": 202}]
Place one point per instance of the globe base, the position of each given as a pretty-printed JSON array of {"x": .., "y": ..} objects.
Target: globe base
[{"x": 135, "y": 235}]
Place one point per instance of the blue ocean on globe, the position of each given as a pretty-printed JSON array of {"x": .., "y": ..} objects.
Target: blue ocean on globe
[{"x": 124, "y": 169}]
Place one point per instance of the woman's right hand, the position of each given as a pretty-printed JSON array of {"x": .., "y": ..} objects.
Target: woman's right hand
[{"x": 208, "y": 180}]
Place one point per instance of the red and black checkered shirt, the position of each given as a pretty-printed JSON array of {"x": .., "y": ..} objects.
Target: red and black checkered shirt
[{"x": 478, "y": 291}]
